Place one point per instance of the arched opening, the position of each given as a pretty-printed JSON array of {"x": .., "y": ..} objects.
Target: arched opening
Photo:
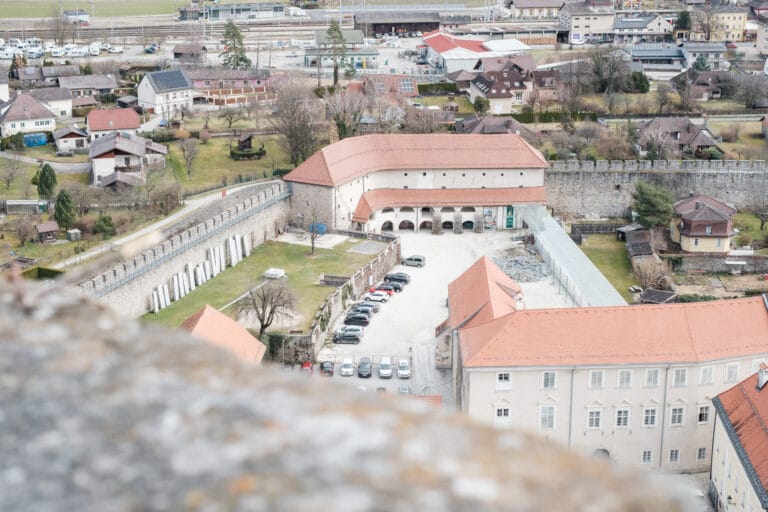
[
  {"x": 601, "y": 453},
  {"x": 405, "y": 209},
  {"x": 468, "y": 209},
  {"x": 387, "y": 226},
  {"x": 447, "y": 224},
  {"x": 427, "y": 224},
  {"x": 388, "y": 210},
  {"x": 406, "y": 225},
  {"x": 468, "y": 224},
  {"x": 446, "y": 209},
  {"x": 426, "y": 210}
]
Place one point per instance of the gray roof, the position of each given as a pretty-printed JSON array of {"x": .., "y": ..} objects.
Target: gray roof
[
  {"x": 51, "y": 94},
  {"x": 704, "y": 47},
  {"x": 57, "y": 71},
  {"x": 226, "y": 74},
  {"x": 372, "y": 17},
  {"x": 130, "y": 144},
  {"x": 350, "y": 36},
  {"x": 67, "y": 130},
  {"x": 29, "y": 73},
  {"x": 547, "y": 4},
  {"x": 656, "y": 50},
  {"x": 189, "y": 49},
  {"x": 4, "y": 74},
  {"x": 169, "y": 80},
  {"x": 88, "y": 82},
  {"x": 631, "y": 21},
  {"x": 25, "y": 107}
]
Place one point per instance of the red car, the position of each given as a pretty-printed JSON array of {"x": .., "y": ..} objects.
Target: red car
[
  {"x": 306, "y": 368},
  {"x": 387, "y": 290},
  {"x": 730, "y": 45}
]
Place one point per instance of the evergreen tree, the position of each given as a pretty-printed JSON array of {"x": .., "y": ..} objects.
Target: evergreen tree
[
  {"x": 234, "y": 56},
  {"x": 683, "y": 21},
  {"x": 338, "y": 48},
  {"x": 653, "y": 205},
  {"x": 701, "y": 64},
  {"x": 46, "y": 182},
  {"x": 65, "y": 210}
]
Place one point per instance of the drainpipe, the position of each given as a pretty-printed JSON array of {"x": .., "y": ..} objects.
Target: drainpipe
[
  {"x": 570, "y": 411},
  {"x": 663, "y": 416}
]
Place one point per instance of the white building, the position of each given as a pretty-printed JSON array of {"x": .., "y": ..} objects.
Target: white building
[
  {"x": 118, "y": 158},
  {"x": 101, "y": 122},
  {"x": 414, "y": 182},
  {"x": 55, "y": 99},
  {"x": 739, "y": 473},
  {"x": 451, "y": 53},
  {"x": 633, "y": 383},
  {"x": 4, "y": 92},
  {"x": 25, "y": 114},
  {"x": 165, "y": 92}
]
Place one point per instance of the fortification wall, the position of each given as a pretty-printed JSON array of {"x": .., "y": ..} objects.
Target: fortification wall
[
  {"x": 604, "y": 188},
  {"x": 128, "y": 286}
]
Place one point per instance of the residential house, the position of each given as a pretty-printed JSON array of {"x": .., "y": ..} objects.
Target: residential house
[
  {"x": 477, "y": 124},
  {"x": 546, "y": 84},
  {"x": 738, "y": 479},
  {"x": 523, "y": 63},
  {"x": 29, "y": 76},
  {"x": 461, "y": 78},
  {"x": 659, "y": 61},
  {"x": 190, "y": 13},
  {"x": 631, "y": 383},
  {"x": 721, "y": 23},
  {"x": 243, "y": 11},
  {"x": 123, "y": 159},
  {"x": 51, "y": 74},
  {"x": 413, "y": 180},
  {"x": 679, "y": 133},
  {"x": 70, "y": 139},
  {"x": 5, "y": 93},
  {"x": 503, "y": 90},
  {"x": 588, "y": 21},
  {"x": 713, "y": 52},
  {"x": 55, "y": 99},
  {"x": 703, "y": 224},
  {"x": 89, "y": 85},
  {"x": 356, "y": 54},
  {"x": 190, "y": 53},
  {"x": 218, "y": 329},
  {"x": 46, "y": 231},
  {"x": 641, "y": 27},
  {"x": 165, "y": 92},
  {"x": 450, "y": 53},
  {"x": 25, "y": 114},
  {"x": 219, "y": 86},
  {"x": 706, "y": 85},
  {"x": 102, "y": 122},
  {"x": 536, "y": 9},
  {"x": 761, "y": 39}
]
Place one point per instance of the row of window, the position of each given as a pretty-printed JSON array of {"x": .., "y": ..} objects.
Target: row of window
[
  {"x": 674, "y": 455},
  {"x": 625, "y": 378},
  {"x": 463, "y": 175},
  {"x": 222, "y": 83},
  {"x": 650, "y": 416},
  {"x": 22, "y": 124}
]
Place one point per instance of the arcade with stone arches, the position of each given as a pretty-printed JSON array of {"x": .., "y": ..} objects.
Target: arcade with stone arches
[{"x": 424, "y": 218}]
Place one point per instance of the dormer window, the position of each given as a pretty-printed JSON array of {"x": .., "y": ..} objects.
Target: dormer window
[{"x": 708, "y": 229}]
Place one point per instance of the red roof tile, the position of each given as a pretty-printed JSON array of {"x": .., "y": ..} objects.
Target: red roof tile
[
  {"x": 396, "y": 197},
  {"x": 113, "y": 119},
  {"x": 441, "y": 42},
  {"x": 746, "y": 409},
  {"x": 218, "y": 329},
  {"x": 665, "y": 333},
  {"x": 353, "y": 157}
]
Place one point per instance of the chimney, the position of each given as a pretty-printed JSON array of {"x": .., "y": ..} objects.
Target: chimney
[
  {"x": 698, "y": 205},
  {"x": 762, "y": 377},
  {"x": 519, "y": 302}
]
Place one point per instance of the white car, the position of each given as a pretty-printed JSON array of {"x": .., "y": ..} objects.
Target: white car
[
  {"x": 356, "y": 329},
  {"x": 58, "y": 52},
  {"x": 94, "y": 51},
  {"x": 385, "y": 367},
  {"x": 347, "y": 368},
  {"x": 377, "y": 296},
  {"x": 116, "y": 49},
  {"x": 403, "y": 369}
]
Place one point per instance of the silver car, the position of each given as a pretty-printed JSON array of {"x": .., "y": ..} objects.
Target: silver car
[
  {"x": 385, "y": 368},
  {"x": 403, "y": 369},
  {"x": 347, "y": 368}
]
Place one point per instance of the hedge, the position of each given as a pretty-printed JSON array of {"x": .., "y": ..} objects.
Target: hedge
[
  {"x": 437, "y": 88},
  {"x": 552, "y": 117}
]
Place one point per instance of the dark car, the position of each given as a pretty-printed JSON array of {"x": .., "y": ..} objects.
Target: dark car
[
  {"x": 389, "y": 287},
  {"x": 376, "y": 308},
  {"x": 326, "y": 368},
  {"x": 347, "y": 337},
  {"x": 398, "y": 286},
  {"x": 398, "y": 277},
  {"x": 364, "y": 368},
  {"x": 360, "y": 311},
  {"x": 357, "y": 319}
]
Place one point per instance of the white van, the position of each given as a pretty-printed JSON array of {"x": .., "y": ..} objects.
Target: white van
[
  {"x": 6, "y": 54},
  {"x": 385, "y": 367}
]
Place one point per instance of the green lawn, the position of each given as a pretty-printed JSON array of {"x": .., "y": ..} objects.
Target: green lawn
[
  {"x": 465, "y": 107},
  {"x": 48, "y": 152},
  {"x": 303, "y": 271},
  {"x": 610, "y": 257},
  {"x": 213, "y": 163},
  {"x": 103, "y": 8}
]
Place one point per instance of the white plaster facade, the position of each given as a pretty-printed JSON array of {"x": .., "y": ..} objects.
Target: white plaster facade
[
  {"x": 167, "y": 104},
  {"x": 29, "y": 126},
  {"x": 568, "y": 407},
  {"x": 728, "y": 478}
]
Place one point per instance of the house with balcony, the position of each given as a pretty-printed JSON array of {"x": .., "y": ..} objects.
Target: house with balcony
[
  {"x": 703, "y": 224},
  {"x": 536, "y": 9},
  {"x": 220, "y": 86},
  {"x": 641, "y": 27},
  {"x": 503, "y": 89},
  {"x": 715, "y": 53},
  {"x": 122, "y": 159},
  {"x": 165, "y": 93}
]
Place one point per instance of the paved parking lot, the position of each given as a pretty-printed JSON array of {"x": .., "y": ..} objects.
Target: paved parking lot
[{"x": 405, "y": 326}]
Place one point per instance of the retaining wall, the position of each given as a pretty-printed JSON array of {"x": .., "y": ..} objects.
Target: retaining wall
[
  {"x": 717, "y": 263},
  {"x": 604, "y": 188},
  {"x": 128, "y": 286}
]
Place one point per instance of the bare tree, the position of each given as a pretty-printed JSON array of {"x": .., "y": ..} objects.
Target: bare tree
[
  {"x": 266, "y": 302},
  {"x": 189, "y": 149},
  {"x": 294, "y": 114},
  {"x": 752, "y": 90},
  {"x": 206, "y": 117},
  {"x": 420, "y": 121},
  {"x": 659, "y": 145},
  {"x": 24, "y": 229},
  {"x": 758, "y": 200},
  {"x": 232, "y": 115},
  {"x": 705, "y": 21},
  {"x": 251, "y": 109},
  {"x": 570, "y": 103},
  {"x": 346, "y": 108},
  {"x": 650, "y": 272},
  {"x": 59, "y": 27},
  {"x": 82, "y": 197},
  {"x": 387, "y": 115},
  {"x": 610, "y": 73},
  {"x": 663, "y": 99},
  {"x": 10, "y": 170}
]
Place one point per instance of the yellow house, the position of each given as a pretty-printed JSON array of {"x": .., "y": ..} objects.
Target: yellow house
[
  {"x": 703, "y": 224},
  {"x": 724, "y": 23}
]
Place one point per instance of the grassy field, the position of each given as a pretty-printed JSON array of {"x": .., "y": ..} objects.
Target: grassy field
[
  {"x": 465, "y": 107},
  {"x": 302, "y": 269},
  {"x": 105, "y": 8},
  {"x": 610, "y": 257},
  {"x": 48, "y": 152},
  {"x": 750, "y": 143}
]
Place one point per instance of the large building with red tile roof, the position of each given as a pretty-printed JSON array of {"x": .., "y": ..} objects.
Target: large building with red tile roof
[
  {"x": 450, "y": 53},
  {"x": 413, "y": 182},
  {"x": 216, "y": 328},
  {"x": 635, "y": 383},
  {"x": 739, "y": 476}
]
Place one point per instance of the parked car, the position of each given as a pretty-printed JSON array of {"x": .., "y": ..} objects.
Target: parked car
[
  {"x": 326, "y": 368},
  {"x": 363, "y": 308},
  {"x": 347, "y": 338},
  {"x": 347, "y": 368},
  {"x": 356, "y": 329},
  {"x": 306, "y": 368},
  {"x": 374, "y": 305},
  {"x": 357, "y": 319},
  {"x": 368, "y": 314},
  {"x": 292, "y": 54},
  {"x": 116, "y": 49},
  {"x": 385, "y": 367},
  {"x": 414, "y": 261},
  {"x": 377, "y": 296},
  {"x": 398, "y": 277},
  {"x": 404, "y": 389},
  {"x": 58, "y": 52},
  {"x": 94, "y": 51},
  {"x": 151, "y": 48},
  {"x": 730, "y": 45},
  {"x": 383, "y": 289},
  {"x": 364, "y": 368},
  {"x": 398, "y": 287},
  {"x": 403, "y": 369},
  {"x": 105, "y": 47}
]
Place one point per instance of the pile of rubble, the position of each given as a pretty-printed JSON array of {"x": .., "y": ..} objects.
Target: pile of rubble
[{"x": 524, "y": 266}]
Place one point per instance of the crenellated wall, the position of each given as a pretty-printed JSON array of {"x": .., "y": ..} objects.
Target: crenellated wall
[
  {"x": 128, "y": 286},
  {"x": 604, "y": 188}
]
